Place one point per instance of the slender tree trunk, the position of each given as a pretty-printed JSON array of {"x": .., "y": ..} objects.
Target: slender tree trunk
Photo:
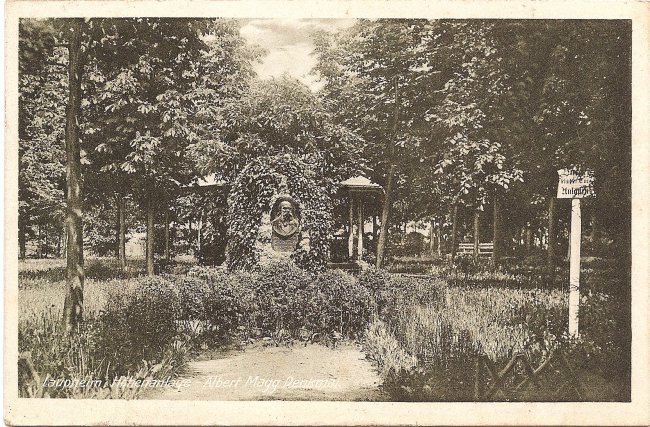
[
  {"x": 199, "y": 237},
  {"x": 150, "y": 236},
  {"x": 65, "y": 243},
  {"x": 122, "y": 231},
  {"x": 496, "y": 232},
  {"x": 46, "y": 252},
  {"x": 477, "y": 238},
  {"x": 432, "y": 237},
  {"x": 550, "y": 240},
  {"x": 385, "y": 217},
  {"x": 439, "y": 238},
  {"x": 22, "y": 238},
  {"x": 39, "y": 245},
  {"x": 167, "y": 255},
  {"x": 374, "y": 231},
  {"x": 73, "y": 305},
  {"x": 117, "y": 227},
  {"x": 529, "y": 239},
  {"x": 388, "y": 199},
  {"x": 454, "y": 230}
]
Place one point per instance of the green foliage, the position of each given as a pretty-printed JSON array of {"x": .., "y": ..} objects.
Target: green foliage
[
  {"x": 279, "y": 303},
  {"x": 122, "y": 335},
  {"x": 278, "y": 300},
  {"x": 336, "y": 301},
  {"x": 429, "y": 334},
  {"x": 413, "y": 243},
  {"x": 140, "y": 322},
  {"x": 250, "y": 198},
  {"x": 484, "y": 105},
  {"x": 278, "y": 116}
]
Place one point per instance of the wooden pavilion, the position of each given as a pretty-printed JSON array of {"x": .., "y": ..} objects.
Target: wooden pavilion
[{"x": 363, "y": 200}]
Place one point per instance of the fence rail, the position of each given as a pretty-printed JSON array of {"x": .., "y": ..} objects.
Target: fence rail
[
  {"x": 484, "y": 249},
  {"x": 506, "y": 383}
]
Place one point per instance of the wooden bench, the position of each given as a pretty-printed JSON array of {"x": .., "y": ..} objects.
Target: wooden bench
[{"x": 484, "y": 249}]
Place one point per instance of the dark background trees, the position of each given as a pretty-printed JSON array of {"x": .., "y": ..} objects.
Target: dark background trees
[
  {"x": 464, "y": 122},
  {"x": 489, "y": 111}
]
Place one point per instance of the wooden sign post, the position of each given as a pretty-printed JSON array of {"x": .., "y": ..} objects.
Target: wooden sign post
[{"x": 574, "y": 185}]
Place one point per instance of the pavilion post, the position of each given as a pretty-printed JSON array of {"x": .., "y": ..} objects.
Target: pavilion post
[
  {"x": 374, "y": 230},
  {"x": 351, "y": 231},
  {"x": 360, "y": 239}
]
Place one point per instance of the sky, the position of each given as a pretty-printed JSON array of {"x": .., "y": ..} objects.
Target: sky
[{"x": 288, "y": 45}]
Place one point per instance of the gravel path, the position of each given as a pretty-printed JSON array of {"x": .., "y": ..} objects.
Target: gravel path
[{"x": 312, "y": 372}]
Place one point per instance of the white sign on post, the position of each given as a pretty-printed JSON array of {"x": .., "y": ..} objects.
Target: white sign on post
[{"x": 575, "y": 186}]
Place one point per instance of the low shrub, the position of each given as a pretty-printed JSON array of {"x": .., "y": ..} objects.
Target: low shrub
[
  {"x": 278, "y": 300},
  {"x": 336, "y": 301},
  {"x": 139, "y": 323}
]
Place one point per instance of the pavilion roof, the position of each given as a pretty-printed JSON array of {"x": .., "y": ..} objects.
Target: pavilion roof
[{"x": 360, "y": 185}]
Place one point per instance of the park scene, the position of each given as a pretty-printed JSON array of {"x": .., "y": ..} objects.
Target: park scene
[{"x": 324, "y": 209}]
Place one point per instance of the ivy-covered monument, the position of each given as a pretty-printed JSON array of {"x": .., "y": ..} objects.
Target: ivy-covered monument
[{"x": 278, "y": 209}]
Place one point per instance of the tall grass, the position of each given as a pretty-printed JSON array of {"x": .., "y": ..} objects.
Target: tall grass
[
  {"x": 48, "y": 352},
  {"x": 427, "y": 347}
]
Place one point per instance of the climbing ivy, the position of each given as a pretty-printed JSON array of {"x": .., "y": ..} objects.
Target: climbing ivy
[{"x": 251, "y": 196}]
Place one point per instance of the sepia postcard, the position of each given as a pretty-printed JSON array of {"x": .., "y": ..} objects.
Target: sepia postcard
[{"x": 326, "y": 213}]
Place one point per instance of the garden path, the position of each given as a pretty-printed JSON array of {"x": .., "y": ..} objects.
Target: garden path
[{"x": 311, "y": 372}]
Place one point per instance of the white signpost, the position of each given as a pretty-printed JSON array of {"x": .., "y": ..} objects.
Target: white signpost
[{"x": 575, "y": 186}]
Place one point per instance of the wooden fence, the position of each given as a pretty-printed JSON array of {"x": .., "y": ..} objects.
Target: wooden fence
[{"x": 553, "y": 380}]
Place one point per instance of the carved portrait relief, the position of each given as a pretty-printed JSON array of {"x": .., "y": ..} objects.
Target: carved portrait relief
[{"x": 286, "y": 226}]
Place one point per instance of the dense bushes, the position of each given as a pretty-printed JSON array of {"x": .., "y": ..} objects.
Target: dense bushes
[
  {"x": 279, "y": 300},
  {"x": 136, "y": 335}
]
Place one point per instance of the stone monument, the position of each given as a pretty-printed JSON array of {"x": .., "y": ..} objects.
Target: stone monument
[
  {"x": 285, "y": 227},
  {"x": 281, "y": 232}
]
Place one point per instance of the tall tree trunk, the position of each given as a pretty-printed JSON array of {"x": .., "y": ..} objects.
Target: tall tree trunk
[
  {"x": 454, "y": 231},
  {"x": 22, "y": 238},
  {"x": 46, "y": 252},
  {"x": 385, "y": 217},
  {"x": 150, "y": 237},
  {"x": 117, "y": 226},
  {"x": 374, "y": 231},
  {"x": 39, "y": 243},
  {"x": 432, "y": 237},
  {"x": 529, "y": 239},
  {"x": 73, "y": 305},
  {"x": 167, "y": 255},
  {"x": 122, "y": 231},
  {"x": 439, "y": 238},
  {"x": 388, "y": 199},
  {"x": 496, "y": 232},
  {"x": 199, "y": 237},
  {"x": 550, "y": 240},
  {"x": 477, "y": 237}
]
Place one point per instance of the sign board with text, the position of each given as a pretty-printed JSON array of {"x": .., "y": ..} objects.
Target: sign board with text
[{"x": 575, "y": 185}]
